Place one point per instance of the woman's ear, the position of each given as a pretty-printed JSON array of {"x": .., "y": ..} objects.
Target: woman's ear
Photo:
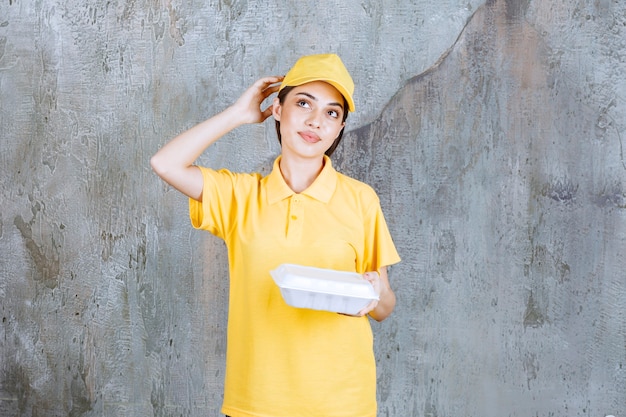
[{"x": 276, "y": 109}]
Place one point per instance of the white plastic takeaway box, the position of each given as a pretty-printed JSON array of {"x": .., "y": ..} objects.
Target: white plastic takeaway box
[{"x": 323, "y": 289}]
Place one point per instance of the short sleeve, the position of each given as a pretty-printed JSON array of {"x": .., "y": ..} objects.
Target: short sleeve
[
  {"x": 378, "y": 242},
  {"x": 213, "y": 212}
]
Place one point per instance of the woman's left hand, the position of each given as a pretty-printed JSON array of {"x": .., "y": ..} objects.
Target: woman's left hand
[
  {"x": 373, "y": 278},
  {"x": 379, "y": 309}
]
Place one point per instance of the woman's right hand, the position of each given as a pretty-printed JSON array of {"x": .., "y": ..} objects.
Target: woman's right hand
[{"x": 248, "y": 106}]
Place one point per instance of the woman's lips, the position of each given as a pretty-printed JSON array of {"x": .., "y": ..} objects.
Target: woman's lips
[{"x": 309, "y": 137}]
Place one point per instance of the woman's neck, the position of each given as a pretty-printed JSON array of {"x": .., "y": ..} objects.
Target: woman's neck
[{"x": 300, "y": 173}]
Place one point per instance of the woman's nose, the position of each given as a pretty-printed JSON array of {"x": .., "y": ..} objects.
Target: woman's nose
[{"x": 313, "y": 120}]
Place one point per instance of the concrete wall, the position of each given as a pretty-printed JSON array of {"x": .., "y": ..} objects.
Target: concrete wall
[{"x": 493, "y": 132}]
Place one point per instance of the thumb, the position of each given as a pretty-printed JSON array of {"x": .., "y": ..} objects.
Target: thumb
[{"x": 266, "y": 113}]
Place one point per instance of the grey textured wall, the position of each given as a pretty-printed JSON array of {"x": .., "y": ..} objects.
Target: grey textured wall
[{"x": 493, "y": 132}]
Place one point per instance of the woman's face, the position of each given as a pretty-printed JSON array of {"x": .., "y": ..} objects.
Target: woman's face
[{"x": 311, "y": 117}]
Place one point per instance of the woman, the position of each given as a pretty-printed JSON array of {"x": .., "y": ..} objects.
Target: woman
[{"x": 283, "y": 361}]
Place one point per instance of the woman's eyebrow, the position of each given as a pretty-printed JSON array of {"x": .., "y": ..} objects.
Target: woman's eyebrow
[{"x": 312, "y": 97}]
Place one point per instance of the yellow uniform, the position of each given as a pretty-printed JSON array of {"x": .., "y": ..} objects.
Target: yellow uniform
[{"x": 283, "y": 361}]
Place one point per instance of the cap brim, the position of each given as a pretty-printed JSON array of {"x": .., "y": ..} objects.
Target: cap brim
[{"x": 342, "y": 89}]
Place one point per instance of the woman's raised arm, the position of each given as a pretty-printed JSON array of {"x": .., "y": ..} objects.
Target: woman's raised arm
[{"x": 174, "y": 161}]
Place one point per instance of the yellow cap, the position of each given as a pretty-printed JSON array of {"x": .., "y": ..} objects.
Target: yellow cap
[{"x": 323, "y": 67}]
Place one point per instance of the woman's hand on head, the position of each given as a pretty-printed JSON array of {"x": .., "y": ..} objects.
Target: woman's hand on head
[{"x": 248, "y": 106}]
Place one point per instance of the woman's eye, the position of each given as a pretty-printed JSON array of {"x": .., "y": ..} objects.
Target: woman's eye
[
  {"x": 333, "y": 113},
  {"x": 302, "y": 103}
]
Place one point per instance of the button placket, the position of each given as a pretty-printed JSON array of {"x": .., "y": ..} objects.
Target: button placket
[{"x": 296, "y": 217}]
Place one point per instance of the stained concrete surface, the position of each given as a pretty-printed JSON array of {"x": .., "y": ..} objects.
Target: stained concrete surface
[{"x": 493, "y": 133}]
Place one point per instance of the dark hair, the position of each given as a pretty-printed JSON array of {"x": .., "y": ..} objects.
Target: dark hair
[{"x": 281, "y": 98}]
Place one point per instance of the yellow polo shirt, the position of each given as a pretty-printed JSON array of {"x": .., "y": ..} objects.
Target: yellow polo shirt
[{"x": 283, "y": 361}]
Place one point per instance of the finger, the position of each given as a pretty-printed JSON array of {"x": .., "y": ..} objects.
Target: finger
[
  {"x": 270, "y": 90},
  {"x": 372, "y": 277},
  {"x": 266, "y": 113},
  {"x": 261, "y": 85},
  {"x": 265, "y": 81},
  {"x": 371, "y": 306}
]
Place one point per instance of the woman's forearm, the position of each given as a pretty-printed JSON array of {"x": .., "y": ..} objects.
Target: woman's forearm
[{"x": 174, "y": 161}]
